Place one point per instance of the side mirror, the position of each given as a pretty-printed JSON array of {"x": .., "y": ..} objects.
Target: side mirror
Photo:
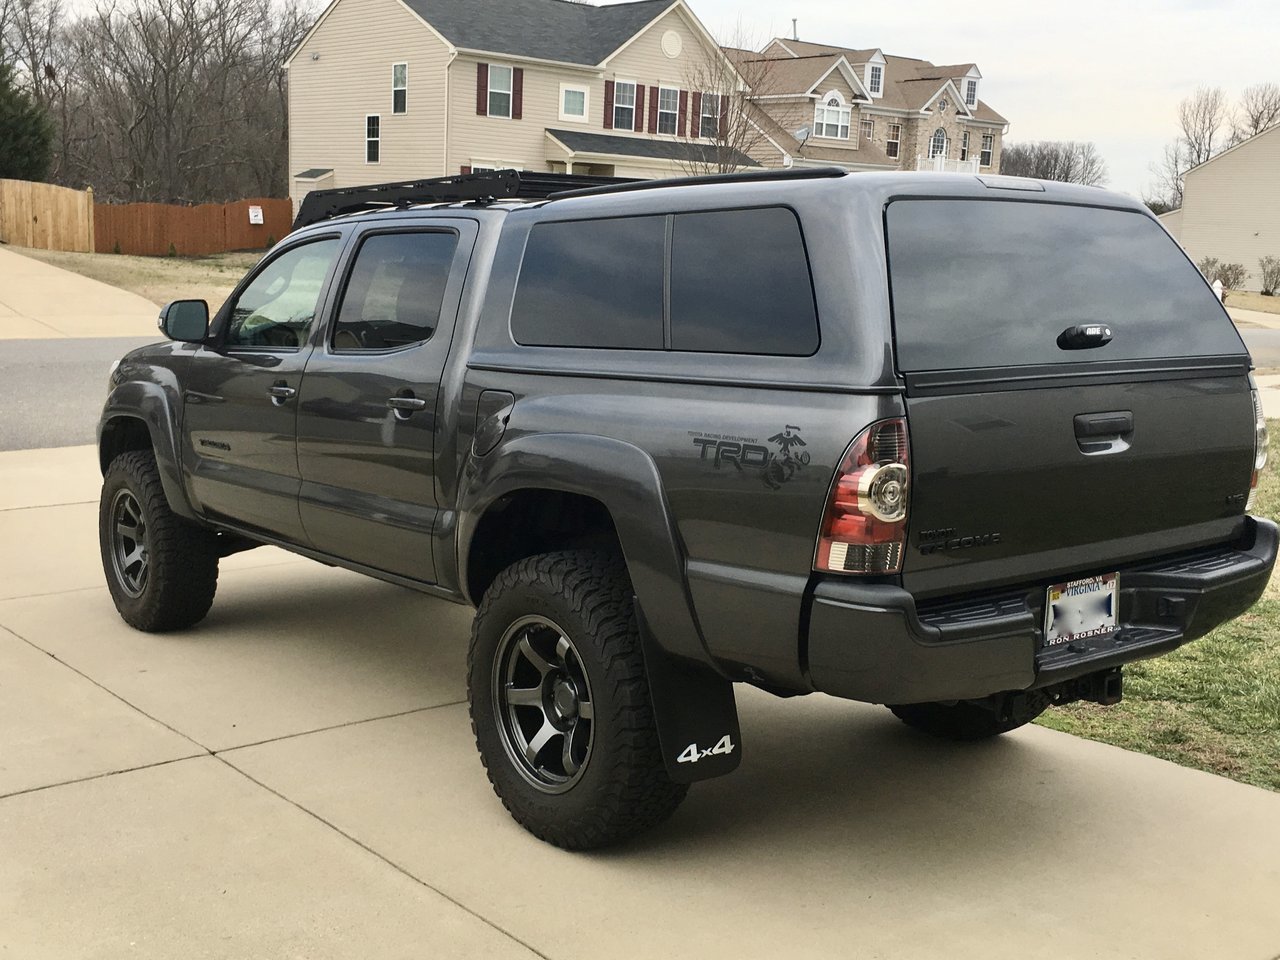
[{"x": 186, "y": 321}]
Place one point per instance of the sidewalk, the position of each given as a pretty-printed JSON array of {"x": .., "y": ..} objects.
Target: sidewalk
[
  {"x": 297, "y": 777},
  {"x": 39, "y": 301}
]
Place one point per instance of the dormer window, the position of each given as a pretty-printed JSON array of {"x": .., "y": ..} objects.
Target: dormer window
[
  {"x": 831, "y": 118},
  {"x": 875, "y": 79},
  {"x": 971, "y": 93}
]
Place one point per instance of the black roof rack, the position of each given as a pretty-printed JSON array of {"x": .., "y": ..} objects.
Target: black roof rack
[
  {"x": 485, "y": 187},
  {"x": 745, "y": 176}
]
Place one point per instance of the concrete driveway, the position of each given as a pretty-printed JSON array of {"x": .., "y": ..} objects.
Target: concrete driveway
[
  {"x": 296, "y": 778},
  {"x": 40, "y": 301}
]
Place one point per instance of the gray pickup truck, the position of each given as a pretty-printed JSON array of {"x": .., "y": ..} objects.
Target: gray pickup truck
[{"x": 959, "y": 445}]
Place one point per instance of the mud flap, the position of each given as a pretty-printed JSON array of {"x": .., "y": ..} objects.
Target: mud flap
[{"x": 695, "y": 712}]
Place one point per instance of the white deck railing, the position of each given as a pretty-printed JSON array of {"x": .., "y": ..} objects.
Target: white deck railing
[{"x": 943, "y": 165}]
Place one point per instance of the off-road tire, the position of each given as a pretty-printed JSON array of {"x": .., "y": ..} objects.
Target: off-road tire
[
  {"x": 623, "y": 788},
  {"x": 182, "y": 558},
  {"x": 967, "y": 721}
]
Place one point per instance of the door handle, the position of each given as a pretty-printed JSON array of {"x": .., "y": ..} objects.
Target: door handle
[
  {"x": 280, "y": 392},
  {"x": 406, "y": 404},
  {"x": 1104, "y": 432}
]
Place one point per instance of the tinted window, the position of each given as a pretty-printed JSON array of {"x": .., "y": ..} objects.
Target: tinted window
[
  {"x": 740, "y": 284},
  {"x": 592, "y": 283},
  {"x": 989, "y": 283},
  {"x": 278, "y": 306},
  {"x": 393, "y": 295}
]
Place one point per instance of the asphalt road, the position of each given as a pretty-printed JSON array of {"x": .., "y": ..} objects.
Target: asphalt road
[{"x": 51, "y": 391}]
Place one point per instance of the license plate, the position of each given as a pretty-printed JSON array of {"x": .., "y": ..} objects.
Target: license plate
[{"x": 1080, "y": 610}]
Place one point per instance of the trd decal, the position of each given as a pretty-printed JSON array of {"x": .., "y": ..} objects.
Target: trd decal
[{"x": 776, "y": 466}]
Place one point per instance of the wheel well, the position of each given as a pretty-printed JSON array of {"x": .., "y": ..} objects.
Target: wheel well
[
  {"x": 529, "y": 522},
  {"x": 120, "y": 435}
]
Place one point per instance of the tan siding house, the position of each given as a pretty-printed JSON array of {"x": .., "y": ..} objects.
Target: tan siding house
[{"x": 1231, "y": 206}]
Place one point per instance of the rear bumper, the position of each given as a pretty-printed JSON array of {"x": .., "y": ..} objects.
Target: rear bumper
[{"x": 871, "y": 642}]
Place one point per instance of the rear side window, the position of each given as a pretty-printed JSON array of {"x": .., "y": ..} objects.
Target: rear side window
[
  {"x": 393, "y": 295},
  {"x": 729, "y": 281},
  {"x": 740, "y": 284},
  {"x": 592, "y": 283},
  {"x": 982, "y": 283}
]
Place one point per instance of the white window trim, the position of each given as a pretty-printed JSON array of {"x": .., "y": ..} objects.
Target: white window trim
[
  {"x": 970, "y": 84},
  {"x": 964, "y": 145},
  {"x": 368, "y": 139},
  {"x": 586, "y": 102},
  {"x": 946, "y": 144},
  {"x": 394, "y": 88},
  {"x": 488, "y": 166},
  {"x": 896, "y": 141},
  {"x": 510, "y": 91},
  {"x": 844, "y": 116},
  {"x": 635, "y": 119},
  {"x": 876, "y": 90},
  {"x": 863, "y": 123},
  {"x": 673, "y": 88},
  {"x": 988, "y": 152},
  {"x": 702, "y": 115}
]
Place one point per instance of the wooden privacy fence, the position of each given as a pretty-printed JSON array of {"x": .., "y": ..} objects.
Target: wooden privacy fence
[
  {"x": 46, "y": 217},
  {"x": 159, "y": 229}
]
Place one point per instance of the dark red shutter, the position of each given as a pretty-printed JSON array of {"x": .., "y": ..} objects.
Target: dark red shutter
[
  {"x": 608, "y": 104},
  {"x": 724, "y": 115},
  {"x": 653, "y": 109},
  {"x": 465, "y": 169},
  {"x": 637, "y": 115},
  {"x": 695, "y": 116},
  {"x": 684, "y": 112},
  {"x": 517, "y": 93},
  {"x": 482, "y": 89}
]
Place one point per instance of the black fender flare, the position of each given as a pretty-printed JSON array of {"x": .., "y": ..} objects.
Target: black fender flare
[
  {"x": 152, "y": 404},
  {"x": 693, "y": 699}
]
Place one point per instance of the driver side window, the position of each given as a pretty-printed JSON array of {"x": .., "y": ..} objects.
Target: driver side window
[{"x": 279, "y": 305}]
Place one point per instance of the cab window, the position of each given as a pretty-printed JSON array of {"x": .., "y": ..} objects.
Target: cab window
[{"x": 278, "y": 306}]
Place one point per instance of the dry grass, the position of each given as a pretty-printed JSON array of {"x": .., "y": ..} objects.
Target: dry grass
[
  {"x": 159, "y": 279},
  {"x": 1248, "y": 300},
  {"x": 1215, "y": 703}
]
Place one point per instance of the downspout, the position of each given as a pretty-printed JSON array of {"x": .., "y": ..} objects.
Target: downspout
[{"x": 444, "y": 159}]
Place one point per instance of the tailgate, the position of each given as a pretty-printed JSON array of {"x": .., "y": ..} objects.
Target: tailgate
[{"x": 1076, "y": 396}]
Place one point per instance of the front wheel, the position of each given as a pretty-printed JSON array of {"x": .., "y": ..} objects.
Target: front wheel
[
  {"x": 971, "y": 720},
  {"x": 162, "y": 570},
  {"x": 560, "y": 703}
]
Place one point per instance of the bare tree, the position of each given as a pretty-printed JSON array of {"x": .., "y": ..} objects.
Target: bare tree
[
  {"x": 1201, "y": 117},
  {"x": 1067, "y": 161},
  {"x": 1258, "y": 109},
  {"x": 1167, "y": 171},
  {"x": 722, "y": 129}
]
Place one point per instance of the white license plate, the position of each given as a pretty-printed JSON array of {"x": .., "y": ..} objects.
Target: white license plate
[{"x": 1080, "y": 609}]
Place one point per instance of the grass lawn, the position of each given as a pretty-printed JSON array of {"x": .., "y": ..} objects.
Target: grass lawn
[
  {"x": 159, "y": 279},
  {"x": 1215, "y": 703},
  {"x": 1248, "y": 300}
]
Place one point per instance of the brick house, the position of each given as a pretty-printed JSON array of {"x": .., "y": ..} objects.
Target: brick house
[
  {"x": 821, "y": 104},
  {"x": 385, "y": 90}
]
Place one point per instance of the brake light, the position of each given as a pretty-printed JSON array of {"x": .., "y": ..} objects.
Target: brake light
[
  {"x": 1259, "y": 450},
  {"x": 864, "y": 528}
]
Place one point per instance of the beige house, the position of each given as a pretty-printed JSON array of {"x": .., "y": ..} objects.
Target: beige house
[
  {"x": 386, "y": 90},
  {"x": 1231, "y": 206},
  {"x": 823, "y": 104}
]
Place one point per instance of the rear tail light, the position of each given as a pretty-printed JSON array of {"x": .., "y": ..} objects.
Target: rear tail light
[
  {"x": 1259, "y": 450},
  {"x": 864, "y": 529}
]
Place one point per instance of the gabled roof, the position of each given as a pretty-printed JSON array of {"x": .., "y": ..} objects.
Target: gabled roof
[
  {"x": 557, "y": 30},
  {"x": 798, "y": 75}
]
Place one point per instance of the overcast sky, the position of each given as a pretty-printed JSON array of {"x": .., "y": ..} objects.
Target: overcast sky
[{"x": 1111, "y": 71}]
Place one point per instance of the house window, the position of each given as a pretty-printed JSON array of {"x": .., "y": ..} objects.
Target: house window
[
  {"x": 971, "y": 93},
  {"x": 668, "y": 109},
  {"x": 709, "y": 122},
  {"x": 399, "y": 87},
  {"x": 499, "y": 91},
  {"x": 868, "y": 128},
  {"x": 964, "y": 145},
  {"x": 372, "y": 138},
  {"x": 573, "y": 103},
  {"x": 877, "y": 78},
  {"x": 831, "y": 119},
  {"x": 892, "y": 144},
  {"x": 624, "y": 105},
  {"x": 988, "y": 143},
  {"x": 938, "y": 144}
]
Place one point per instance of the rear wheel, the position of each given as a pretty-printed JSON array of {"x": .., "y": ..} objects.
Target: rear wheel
[
  {"x": 560, "y": 704},
  {"x": 162, "y": 570},
  {"x": 972, "y": 720}
]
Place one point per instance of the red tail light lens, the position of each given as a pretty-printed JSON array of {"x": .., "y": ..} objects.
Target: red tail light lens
[{"x": 864, "y": 528}]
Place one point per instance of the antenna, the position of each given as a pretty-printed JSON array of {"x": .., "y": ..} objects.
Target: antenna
[{"x": 795, "y": 32}]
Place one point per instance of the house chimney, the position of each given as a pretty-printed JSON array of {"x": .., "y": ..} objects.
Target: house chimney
[{"x": 795, "y": 32}]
